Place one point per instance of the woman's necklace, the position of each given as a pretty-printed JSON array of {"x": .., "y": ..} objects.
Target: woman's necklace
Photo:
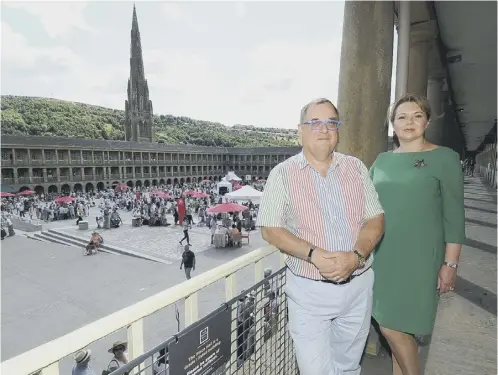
[{"x": 401, "y": 151}]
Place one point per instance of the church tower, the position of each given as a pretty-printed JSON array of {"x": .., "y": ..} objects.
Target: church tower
[{"x": 138, "y": 108}]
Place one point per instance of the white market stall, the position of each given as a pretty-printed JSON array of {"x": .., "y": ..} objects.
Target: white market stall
[
  {"x": 223, "y": 187},
  {"x": 232, "y": 176},
  {"x": 245, "y": 193}
]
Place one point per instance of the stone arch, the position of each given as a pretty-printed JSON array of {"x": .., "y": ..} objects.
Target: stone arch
[
  {"x": 129, "y": 184},
  {"x": 188, "y": 180},
  {"x": 175, "y": 180},
  {"x": 65, "y": 188},
  {"x": 220, "y": 178},
  {"x": 78, "y": 187},
  {"x": 154, "y": 182},
  {"x": 182, "y": 181},
  {"x": 210, "y": 178},
  {"x": 146, "y": 183},
  {"x": 216, "y": 178},
  {"x": 89, "y": 188},
  {"x": 39, "y": 190},
  {"x": 161, "y": 181},
  {"x": 52, "y": 189},
  {"x": 138, "y": 183},
  {"x": 205, "y": 178},
  {"x": 100, "y": 186},
  {"x": 24, "y": 188},
  {"x": 168, "y": 181}
]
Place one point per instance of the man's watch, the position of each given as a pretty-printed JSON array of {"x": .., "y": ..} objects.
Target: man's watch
[
  {"x": 451, "y": 264},
  {"x": 361, "y": 258},
  {"x": 311, "y": 253}
]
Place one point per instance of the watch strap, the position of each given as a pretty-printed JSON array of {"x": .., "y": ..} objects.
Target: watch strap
[
  {"x": 361, "y": 258},
  {"x": 310, "y": 253},
  {"x": 451, "y": 264}
]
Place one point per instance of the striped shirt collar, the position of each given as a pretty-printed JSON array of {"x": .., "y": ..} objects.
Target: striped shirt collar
[{"x": 336, "y": 160}]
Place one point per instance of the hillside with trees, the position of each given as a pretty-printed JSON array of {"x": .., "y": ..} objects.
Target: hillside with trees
[{"x": 31, "y": 116}]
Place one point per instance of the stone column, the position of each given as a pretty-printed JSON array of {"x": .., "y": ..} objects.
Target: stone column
[
  {"x": 435, "y": 130},
  {"x": 422, "y": 37},
  {"x": 365, "y": 78}
]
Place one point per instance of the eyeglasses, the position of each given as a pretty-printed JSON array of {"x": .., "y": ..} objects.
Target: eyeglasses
[{"x": 332, "y": 125}]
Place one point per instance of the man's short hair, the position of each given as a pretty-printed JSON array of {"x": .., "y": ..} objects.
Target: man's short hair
[{"x": 304, "y": 110}]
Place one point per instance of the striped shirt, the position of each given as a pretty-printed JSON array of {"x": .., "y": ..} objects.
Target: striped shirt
[{"x": 328, "y": 212}]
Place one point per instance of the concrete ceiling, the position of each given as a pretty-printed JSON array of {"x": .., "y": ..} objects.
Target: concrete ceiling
[{"x": 469, "y": 29}]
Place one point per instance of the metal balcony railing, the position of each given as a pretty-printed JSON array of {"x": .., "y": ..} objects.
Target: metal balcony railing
[{"x": 249, "y": 337}]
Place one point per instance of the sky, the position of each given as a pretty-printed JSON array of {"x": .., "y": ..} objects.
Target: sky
[{"x": 252, "y": 63}]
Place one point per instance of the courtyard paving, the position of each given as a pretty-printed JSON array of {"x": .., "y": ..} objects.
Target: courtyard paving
[{"x": 160, "y": 242}]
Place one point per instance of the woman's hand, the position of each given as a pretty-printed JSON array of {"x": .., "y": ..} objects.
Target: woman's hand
[{"x": 446, "y": 279}]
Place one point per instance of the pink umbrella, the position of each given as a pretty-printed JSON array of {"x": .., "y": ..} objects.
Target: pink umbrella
[
  {"x": 2, "y": 194},
  {"x": 162, "y": 194},
  {"x": 200, "y": 195},
  {"x": 189, "y": 192},
  {"x": 64, "y": 199},
  {"x": 121, "y": 187},
  {"x": 227, "y": 207},
  {"x": 26, "y": 192},
  {"x": 237, "y": 187}
]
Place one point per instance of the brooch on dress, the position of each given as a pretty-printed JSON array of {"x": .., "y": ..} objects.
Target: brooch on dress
[{"x": 419, "y": 163}]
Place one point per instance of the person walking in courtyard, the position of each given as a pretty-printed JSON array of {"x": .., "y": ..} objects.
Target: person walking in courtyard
[
  {"x": 420, "y": 186},
  {"x": 186, "y": 227},
  {"x": 321, "y": 209},
  {"x": 188, "y": 261}
]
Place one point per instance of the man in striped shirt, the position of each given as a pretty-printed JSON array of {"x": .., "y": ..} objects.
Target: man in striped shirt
[{"x": 321, "y": 209}]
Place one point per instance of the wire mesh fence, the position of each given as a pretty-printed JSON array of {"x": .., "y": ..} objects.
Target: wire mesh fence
[{"x": 246, "y": 335}]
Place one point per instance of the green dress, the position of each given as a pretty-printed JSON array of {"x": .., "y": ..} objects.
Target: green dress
[{"x": 422, "y": 196}]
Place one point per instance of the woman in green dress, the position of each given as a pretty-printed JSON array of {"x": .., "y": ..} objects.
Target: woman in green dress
[{"x": 420, "y": 187}]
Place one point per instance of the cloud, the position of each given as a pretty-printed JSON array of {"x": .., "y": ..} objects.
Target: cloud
[
  {"x": 176, "y": 12},
  {"x": 58, "y": 18},
  {"x": 17, "y": 52},
  {"x": 240, "y": 9},
  {"x": 288, "y": 76}
]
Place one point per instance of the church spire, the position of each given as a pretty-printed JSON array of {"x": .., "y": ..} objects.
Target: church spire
[
  {"x": 136, "y": 46},
  {"x": 138, "y": 108}
]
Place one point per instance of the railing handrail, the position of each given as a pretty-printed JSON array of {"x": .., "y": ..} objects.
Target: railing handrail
[{"x": 53, "y": 351}]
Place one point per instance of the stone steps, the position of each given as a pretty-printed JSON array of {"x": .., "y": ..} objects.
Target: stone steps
[{"x": 112, "y": 249}]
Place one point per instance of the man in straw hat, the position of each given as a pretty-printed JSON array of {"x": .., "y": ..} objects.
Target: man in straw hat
[{"x": 82, "y": 366}]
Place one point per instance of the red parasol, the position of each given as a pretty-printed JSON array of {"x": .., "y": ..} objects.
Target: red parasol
[
  {"x": 227, "y": 207},
  {"x": 121, "y": 187},
  {"x": 161, "y": 194},
  {"x": 65, "y": 199},
  {"x": 26, "y": 192},
  {"x": 2, "y": 194}
]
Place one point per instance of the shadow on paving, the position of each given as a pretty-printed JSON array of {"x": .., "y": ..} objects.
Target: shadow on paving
[
  {"x": 480, "y": 222},
  {"x": 480, "y": 245},
  {"x": 476, "y": 294},
  {"x": 480, "y": 209}
]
